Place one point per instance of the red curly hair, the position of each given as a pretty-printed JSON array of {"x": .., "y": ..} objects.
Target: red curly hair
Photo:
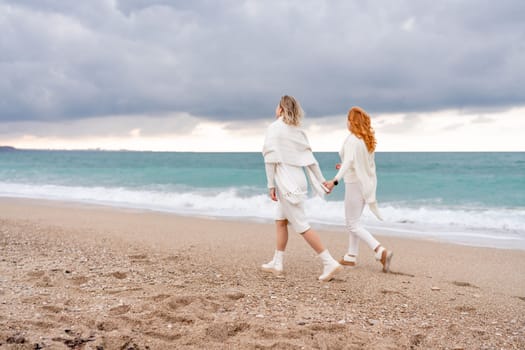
[{"x": 361, "y": 127}]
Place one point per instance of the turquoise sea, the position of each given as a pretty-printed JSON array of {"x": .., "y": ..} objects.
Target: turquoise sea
[{"x": 466, "y": 198}]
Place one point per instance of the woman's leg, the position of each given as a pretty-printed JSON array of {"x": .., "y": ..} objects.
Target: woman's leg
[
  {"x": 353, "y": 244},
  {"x": 296, "y": 217},
  {"x": 281, "y": 230},
  {"x": 330, "y": 265},
  {"x": 313, "y": 240},
  {"x": 354, "y": 204},
  {"x": 294, "y": 213}
]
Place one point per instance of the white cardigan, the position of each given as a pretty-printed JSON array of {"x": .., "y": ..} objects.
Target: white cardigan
[
  {"x": 287, "y": 145},
  {"x": 358, "y": 166}
]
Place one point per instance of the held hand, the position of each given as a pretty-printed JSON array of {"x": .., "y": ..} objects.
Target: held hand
[
  {"x": 272, "y": 194},
  {"x": 325, "y": 188},
  {"x": 338, "y": 166},
  {"x": 330, "y": 185}
]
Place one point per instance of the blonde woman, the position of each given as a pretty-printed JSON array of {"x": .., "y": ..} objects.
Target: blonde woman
[
  {"x": 358, "y": 170},
  {"x": 286, "y": 153}
]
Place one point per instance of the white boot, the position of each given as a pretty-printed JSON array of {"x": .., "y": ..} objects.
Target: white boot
[
  {"x": 330, "y": 266},
  {"x": 349, "y": 261},
  {"x": 276, "y": 264},
  {"x": 384, "y": 257}
]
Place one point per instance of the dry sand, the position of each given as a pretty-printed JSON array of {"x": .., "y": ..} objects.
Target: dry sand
[{"x": 87, "y": 277}]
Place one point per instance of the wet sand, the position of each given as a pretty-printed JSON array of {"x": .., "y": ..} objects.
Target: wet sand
[{"x": 88, "y": 277}]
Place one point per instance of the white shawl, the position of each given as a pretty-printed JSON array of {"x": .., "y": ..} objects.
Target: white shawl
[{"x": 288, "y": 144}]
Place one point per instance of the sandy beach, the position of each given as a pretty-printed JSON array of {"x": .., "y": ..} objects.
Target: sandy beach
[{"x": 78, "y": 276}]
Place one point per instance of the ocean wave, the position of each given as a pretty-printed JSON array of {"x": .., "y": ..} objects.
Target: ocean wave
[{"x": 236, "y": 203}]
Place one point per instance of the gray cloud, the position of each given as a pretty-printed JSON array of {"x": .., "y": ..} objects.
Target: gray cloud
[
  {"x": 483, "y": 120},
  {"x": 232, "y": 60},
  {"x": 406, "y": 123},
  {"x": 453, "y": 127},
  {"x": 104, "y": 126}
]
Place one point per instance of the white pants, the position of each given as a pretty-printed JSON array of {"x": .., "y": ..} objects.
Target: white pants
[{"x": 354, "y": 205}]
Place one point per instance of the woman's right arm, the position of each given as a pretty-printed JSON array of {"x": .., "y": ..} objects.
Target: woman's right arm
[
  {"x": 270, "y": 174},
  {"x": 270, "y": 177}
]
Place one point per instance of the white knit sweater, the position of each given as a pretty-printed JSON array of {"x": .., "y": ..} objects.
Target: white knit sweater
[{"x": 358, "y": 165}]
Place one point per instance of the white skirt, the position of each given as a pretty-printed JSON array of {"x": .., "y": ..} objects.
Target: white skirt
[{"x": 291, "y": 190}]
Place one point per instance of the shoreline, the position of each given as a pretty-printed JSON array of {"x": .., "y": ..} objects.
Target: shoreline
[
  {"x": 122, "y": 278},
  {"x": 461, "y": 237}
]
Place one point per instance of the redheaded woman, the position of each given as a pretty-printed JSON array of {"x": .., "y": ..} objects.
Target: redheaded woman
[{"x": 359, "y": 173}]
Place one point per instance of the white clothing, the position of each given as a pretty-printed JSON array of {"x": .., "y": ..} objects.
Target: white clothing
[
  {"x": 294, "y": 213},
  {"x": 287, "y": 155},
  {"x": 358, "y": 166},
  {"x": 354, "y": 204},
  {"x": 288, "y": 145},
  {"x": 285, "y": 208},
  {"x": 272, "y": 167}
]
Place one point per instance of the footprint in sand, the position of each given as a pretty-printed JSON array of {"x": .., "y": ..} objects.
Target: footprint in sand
[
  {"x": 118, "y": 341},
  {"x": 45, "y": 281},
  {"x": 463, "y": 284},
  {"x": 107, "y": 326},
  {"x": 416, "y": 340},
  {"x": 119, "y": 275},
  {"x": 280, "y": 344},
  {"x": 35, "y": 274},
  {"x": 52, "y": 309},
  {"x": 331, "y": 327},
  {"x": 167, "y": 337},
  {"x": 234, "y": 294},
  {"x": 43, "y": 324},
  {"x": 181, "y": 301},
  {"x": 171, "y": 317},
  {"x": 198, "y": 306},
  {"x": 388, "y": 291},
  {"x": 173, "y": 258},
  {"x": 160, "y": 297},
  {"x": 269, "y": 333},
  {"x": 78, "y": 280},
  {"x": 401, "y": 273},
  {"x": 140, "y": 258},
  {"x": 223, "y": 330},
  {"x": 75, "y": 343},
  {"x": 465, "y": 308},
  {"x": 35, "y": 299},
  {"x": 40, "y": 278},
  {"x": 119, "y": 310}
]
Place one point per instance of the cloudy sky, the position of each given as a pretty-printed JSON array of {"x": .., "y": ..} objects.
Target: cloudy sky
[{"x": 206, "y": 75}]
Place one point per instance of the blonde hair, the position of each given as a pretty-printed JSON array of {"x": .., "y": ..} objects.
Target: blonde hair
[
  {"x": 292, "y": 112},
  {"x": 361, "y": 127}
]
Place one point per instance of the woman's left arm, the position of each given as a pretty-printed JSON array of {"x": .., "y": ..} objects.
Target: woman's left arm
[
  {"x": 270, "y": 176},
  {"x": 316, "y": 170}
]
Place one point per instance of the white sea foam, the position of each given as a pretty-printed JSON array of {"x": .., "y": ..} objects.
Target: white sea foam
[{"x": 462, "y": 225}]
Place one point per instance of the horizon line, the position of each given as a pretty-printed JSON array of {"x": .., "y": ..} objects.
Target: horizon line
[{"x": 173, "y": 151}]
